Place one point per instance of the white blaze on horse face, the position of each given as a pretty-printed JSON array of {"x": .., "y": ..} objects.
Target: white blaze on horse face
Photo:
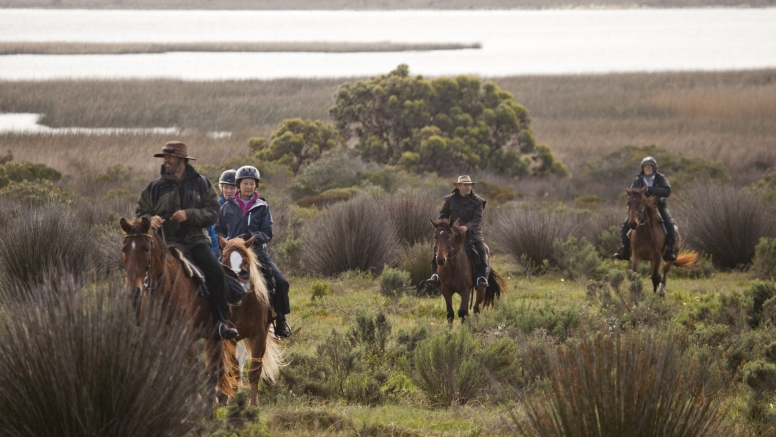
[
  {"x": 133, "y": 245},
  {"x": 235, "y": 259}
]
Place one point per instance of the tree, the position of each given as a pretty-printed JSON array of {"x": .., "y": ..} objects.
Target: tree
[
  {"x": 296, "y": 142},
  {"x": 444, "y": 125}
]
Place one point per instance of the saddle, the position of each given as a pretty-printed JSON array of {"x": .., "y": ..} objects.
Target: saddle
[
  {"x": 474, "y": 258},
  {"x": 235, "y": 290}
]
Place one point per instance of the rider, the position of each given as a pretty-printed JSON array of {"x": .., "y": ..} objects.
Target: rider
[
  {"x": 227, "y": 185},
  {"x": 244, "y": 214},
  {"x": 183, "y": 204},
  {"x": 466, "y": 207},
  {"x": 656, "y": 185}
]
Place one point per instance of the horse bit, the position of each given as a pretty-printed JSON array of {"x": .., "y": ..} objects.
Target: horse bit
[{"x": 147, "y": 278}]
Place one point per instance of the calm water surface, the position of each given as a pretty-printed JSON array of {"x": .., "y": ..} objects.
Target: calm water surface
[{"x": 513, "y": 42}]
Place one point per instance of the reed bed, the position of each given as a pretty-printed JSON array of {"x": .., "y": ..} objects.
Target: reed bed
[
  {"x": 725, "y": 116},
  {"x": 79, "y": 48}
]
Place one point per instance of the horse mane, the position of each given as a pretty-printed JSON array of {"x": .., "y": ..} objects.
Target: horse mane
[
  {"x": 445, "y": 223},
  {"x": 651, "y": 203},
  {"x": 138, "y": 228},
  {"x": 257, "y": 280}
]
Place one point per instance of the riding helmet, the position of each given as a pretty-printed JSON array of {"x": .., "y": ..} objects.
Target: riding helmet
[
  {"x": 247, "y": 171},
  {"x": 649, "y": 160},
  {"x": 227, "y": 177}
]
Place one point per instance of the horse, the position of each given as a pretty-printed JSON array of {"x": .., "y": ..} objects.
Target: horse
[
  {"x": 156, "y": 278},
  {"x": 252, "y": 316},
  {"x": 455, "y": 271},
  {"x": 648, "y": 238}
]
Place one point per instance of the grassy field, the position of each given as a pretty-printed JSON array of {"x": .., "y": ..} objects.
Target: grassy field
[
  {"x": 715, "y": 115},
  {"x": 376, "y": 5},
  {"x": 72, "y": 48}
]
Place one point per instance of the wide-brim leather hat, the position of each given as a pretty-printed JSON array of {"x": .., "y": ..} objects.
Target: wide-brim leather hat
[
  {"x": 175, "y": 148},
  {"x": 465, "y": 179}
]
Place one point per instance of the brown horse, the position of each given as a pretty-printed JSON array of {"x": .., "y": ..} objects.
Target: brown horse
[
  {"x": 251, "y": 316},
  {"x": 648, "y": 238},
  {"x": 455, "y": 271},
  {"x": 154, "y": 277}
]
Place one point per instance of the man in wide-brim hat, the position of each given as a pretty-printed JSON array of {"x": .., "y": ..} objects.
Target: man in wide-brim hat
[
  {"x": 466, "y": 207},
  {"x": 183, "y": 204}
]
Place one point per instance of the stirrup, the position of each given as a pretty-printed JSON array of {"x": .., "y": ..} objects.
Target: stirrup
[
  {"x": 434, "y": 279},
  {"x": 226, "y": 330},
  {"x": 282, "y": 330},
  {"x": 670, "y": 255},
  {"x": 622, "y": 254},
  {"x": 482, "y": 282}
]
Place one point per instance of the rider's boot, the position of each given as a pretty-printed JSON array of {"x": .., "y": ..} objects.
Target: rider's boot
[
  {"x": 226, "y": 330},
  {"x": 282, "y": 330},
  {"x": 434, "y": 279},
  {"x": 624, "y": 253},
  {"x": 483, "y": 272},
  {"x": 669, "y": 255}
]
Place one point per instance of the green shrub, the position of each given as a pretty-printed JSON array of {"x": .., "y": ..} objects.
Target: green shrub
[
  {"x": 337, "y": 169},
  {"x": 416, "y": 260},
  {"x": 407, "y": 341},
  {"x": 328, "y": 197},
  {"x": 296, "y": 142},
  {"x": 33, "y": 193},
  {"x": 319, "y": 290},
  {"x": 362, "y": 388},
  {"x": 446, "y": 368},
  {"x": 609, "y": 241},
  {"x": 764, "y": 263},
  {"x": 576, "y": 258},
  {"x": 370, "y": 332},
  {"x": 624, "y": 384},
  {"x": 411, "y": 213},
  {"x": 725, "y": 223},
  {"x": 529, "y": 317},
  {"x": 394, "y": 282},
  {"x": 83, "y": 365},
  {"x": 494, "y": 193},
  {"x": 27, "y": 171},
  {"x": 760, "y": 375},
  {"x": 759, "y": 293},
  {"x": 349, "y": 236}
]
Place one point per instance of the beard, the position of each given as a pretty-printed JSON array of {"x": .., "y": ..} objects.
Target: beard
[{"x": 173, "y": 168}]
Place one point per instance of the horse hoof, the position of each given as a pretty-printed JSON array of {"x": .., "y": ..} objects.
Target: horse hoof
[{"x": 661, "y": 291}]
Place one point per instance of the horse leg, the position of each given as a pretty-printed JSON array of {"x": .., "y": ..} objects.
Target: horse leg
[
  {"x": 463, "y": 310},
  {"x": 480, "y": 296},
  {"x": 655, "y": 267},
  {"x": 213, "y": 358},
  {"x": 448, "y": 295},
  {"x": 662, "y": 290}
]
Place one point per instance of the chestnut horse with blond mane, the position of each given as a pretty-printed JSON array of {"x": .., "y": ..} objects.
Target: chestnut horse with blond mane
[
  {"x": 251, "y": 317},
  {"x": 648, "y": 239},
  {"x": 455, "y": 271},
  {"x": 155, "y": 277}
]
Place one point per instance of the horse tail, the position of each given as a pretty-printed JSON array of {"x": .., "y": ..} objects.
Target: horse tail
[
  {"x": 225, "y": 366},
  {"x": 686, "y": 258},
  {"x": 496, "y": 286},
  {"x": 272, "y": 360}
]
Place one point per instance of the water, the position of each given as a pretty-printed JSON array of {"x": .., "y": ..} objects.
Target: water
[
  {"x": 513, "y": 42},
  {"x": 27, "y": 123}
]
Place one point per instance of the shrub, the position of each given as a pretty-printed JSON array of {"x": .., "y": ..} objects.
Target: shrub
[
  {"x": 349, "y": 236},
  {"x": 322, "y": 377},
  {"x": 83, "y": 365},
  {"x": 370, "y": 332},
  {"x": 319, "y": 290},
  {"x": 296, "y": 142},
  {"x": 33, "y": 193},
  {"x": 725, "y": 223},
  {"x": 609, "y": 241},
  {"x": 337, "y": 169},
  {"x": 446, "y": 368},
  {"x": 576, "y": 258},
  {"x": 328, "y": 197},
  {"x": 26, "y": 171},
  {"x": 633, "y": 383},
  {"x": 528, "y": 235},
  {"x": 547, "y": 316},
  {"x": 393, "y": 282},
  {"x": 416, "y": 260},
  {"x": 45, "y": 243},
  {"x": 764, "y": 264},
  {"x": 494, "y": 193},
  {"x": 759, "y": 293},
  {"x": 411, "y": 212}
]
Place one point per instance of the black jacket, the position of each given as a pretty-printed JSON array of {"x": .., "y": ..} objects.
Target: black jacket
[
  {"x": 660, "y": 187},
  {"x": 258, "y": 222},
  {"x": 466, "y": 209},
  {"x": 193, "y": 193}
]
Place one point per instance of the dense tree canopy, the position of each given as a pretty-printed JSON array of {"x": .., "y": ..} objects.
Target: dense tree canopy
[
  {"x": 445, "y": 125},
  {"x": 296, "y": 142}
]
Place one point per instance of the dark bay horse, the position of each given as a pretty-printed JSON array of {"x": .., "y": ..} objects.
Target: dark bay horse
[
  {"x": 455, "y": 271},
  {"x": 251, "y": 317},
  {"x": 648, "y": 238},
  {"x": 156, "y": 278}
]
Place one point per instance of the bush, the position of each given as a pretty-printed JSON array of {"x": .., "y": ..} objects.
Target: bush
[
  {"x": 26, "y": 171},
  {"x": 337, "y": 169},
  {"x": 416, "y": 260},
  {"x": 370, "y": 332},
  {"x": 609, "y": 241},
  {"x": 725, "y": 223},
  {"x": 629, "y": 384},
  {"x": 349, "y": 236},
  {"x": 33, "y": 193},
  {"x": 576, "y": 258},
  {"x": 546, "y": 316},
  {"x": 296, "y": 142},
  {"x": 84, "y": 365},
  {"x": 528, "y": 235},
  {"x": 319, "y": 290},
  {"x": 328, "y": 197},
  {"x": 394, "y": 282},
  {"x": 764, "y": 264},
  {"x": 45, "y": 243},
  {"x": 411, "y": 212}
]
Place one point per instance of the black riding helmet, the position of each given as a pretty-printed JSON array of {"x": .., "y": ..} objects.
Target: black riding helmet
[
  {"x": 247, "y": 171},
  {"x": 228, "y": 178},
  {"x": 649, "y": 160}
]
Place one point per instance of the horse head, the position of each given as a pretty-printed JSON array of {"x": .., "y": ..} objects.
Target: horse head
[
  {"x": 238, "y": 256},
  {"x": 137, "y": 250},
  {"x": 640, "y": 207},
  {"x": 447, "y": 238}
]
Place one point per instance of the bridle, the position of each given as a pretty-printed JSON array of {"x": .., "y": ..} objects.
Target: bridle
[
  {"x": 641, "y": 214},
  {"x": 148, "y": 284},
  {"x": 452, "y": 251}
]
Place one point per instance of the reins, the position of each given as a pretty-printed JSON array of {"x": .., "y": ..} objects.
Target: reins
[
  {"x": 452, "y": 250},
  {"x": 148, "y": 279}
]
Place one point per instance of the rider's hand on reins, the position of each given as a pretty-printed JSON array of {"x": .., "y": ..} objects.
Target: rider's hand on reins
[
  {"x": 156, "y": 222},
  {"x": 179, "y": 216}
]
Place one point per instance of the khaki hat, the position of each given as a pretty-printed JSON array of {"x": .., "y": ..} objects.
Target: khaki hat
[
  {"x": 175, "y": 148},
  {"x": 465, "y": 179}
]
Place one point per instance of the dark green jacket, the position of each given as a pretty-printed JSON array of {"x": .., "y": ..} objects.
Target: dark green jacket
[
  {"x": 193, "y": 194},
  {"x": 466, "y": 209}
]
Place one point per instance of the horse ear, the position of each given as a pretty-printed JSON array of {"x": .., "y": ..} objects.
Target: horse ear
[
  {"x": 125, "y": 227},
  {"x": 249, "y": 242},
  {"x": 145, "y": 225},
  {"x": 221, "y": 242},
  {"x": 641, "y": 190},
  {"x": 433, "y": 225},
  {"x": 628, "y": 191}
]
